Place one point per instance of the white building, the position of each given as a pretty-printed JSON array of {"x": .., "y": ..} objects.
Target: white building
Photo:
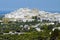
[{"x": 26, "y": 14}]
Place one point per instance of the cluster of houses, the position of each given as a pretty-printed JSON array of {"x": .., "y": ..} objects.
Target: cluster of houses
[{"x": 24, "y": 14}]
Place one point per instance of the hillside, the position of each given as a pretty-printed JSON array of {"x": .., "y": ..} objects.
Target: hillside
[{"x": 27, "y": 14}]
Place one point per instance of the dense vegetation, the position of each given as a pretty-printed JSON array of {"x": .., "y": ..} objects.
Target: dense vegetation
[{"x": 31, "y": 34}]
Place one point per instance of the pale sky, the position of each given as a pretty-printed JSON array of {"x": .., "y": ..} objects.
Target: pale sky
[{"x": 47, "y": 5}]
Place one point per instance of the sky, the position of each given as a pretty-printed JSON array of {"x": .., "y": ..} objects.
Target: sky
[{"x": 46, "y": 5}]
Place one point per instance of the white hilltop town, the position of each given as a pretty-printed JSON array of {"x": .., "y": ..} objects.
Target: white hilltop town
[
  {"x": 24, "y": 14},
  {"x": 27, "y": 19}
]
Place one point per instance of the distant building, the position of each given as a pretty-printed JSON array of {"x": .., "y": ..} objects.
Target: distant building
[{"x": 1, "y": 21}]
